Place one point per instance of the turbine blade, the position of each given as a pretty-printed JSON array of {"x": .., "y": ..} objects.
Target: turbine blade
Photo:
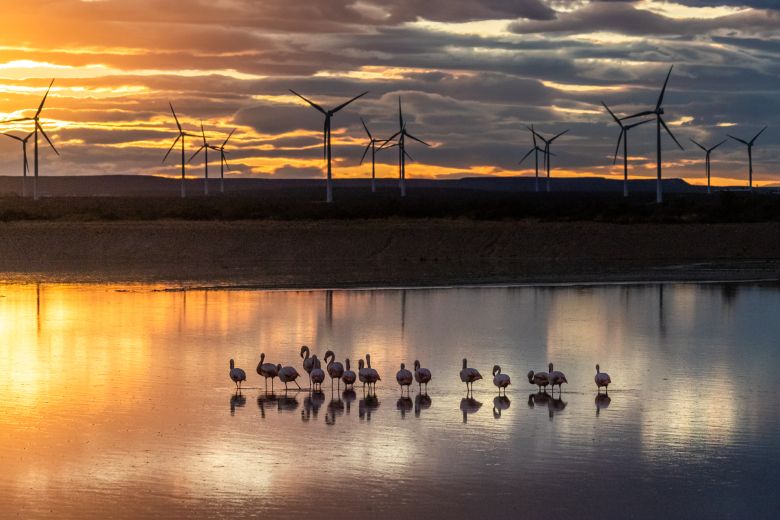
[
  {"x": 40, "y": 129},
  {"x": 348, "y": 102},
  {"x": 612, "y": 114},
  {"x": 228, "y": 138},
  {"x": 629, "y": 127},
  {"x": 557, "y": 136},
  {"x": 720, "y": 143},
  {"x": 171, "y": 148},
  {"x": 529, "y": 152},
  {"x": 312, "y": 103},
  {"x": 366, "y": 128},
  {"x": 174, "y": 116},
  {"x": 738, "y": 139},
  {"x": 368, "y": 147},
  {"x": 640, "y": 114},
  {"x": 663, "y": 90},
  {"x": 224, "y": 160},
  {"x": 663, "y": 123},
  {"x": 697, "y": 144},
  {"x": 756, "y": 137},
  {"x": 40, "y": 107},
  {"x": 617, "y": 148},
  {"x": 533, "y": 135},
  {"x": 416, "y": 139},
  {"x": 195, "y": 154},
  {"x": 408, "y": 156},
  {"x": 401, "y": 123},
  {"x": 14, "y": 137},
  {"x": 203, "y": 133},
  {"x": 534, "y": 132},
  {"x": 384, "y": 145}
]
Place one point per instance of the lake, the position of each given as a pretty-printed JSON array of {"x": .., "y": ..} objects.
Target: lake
[{"x": 115, "y": 402}]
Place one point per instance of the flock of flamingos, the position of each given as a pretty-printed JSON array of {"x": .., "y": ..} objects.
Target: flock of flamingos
[{"x": 369, "y": 376}]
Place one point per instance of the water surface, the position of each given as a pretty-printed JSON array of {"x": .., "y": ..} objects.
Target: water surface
[{"x": 116, "y": 403}]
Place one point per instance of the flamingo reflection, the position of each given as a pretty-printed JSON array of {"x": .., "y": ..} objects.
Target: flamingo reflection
[
  {"x": 404, "y": 405},
  {"x": 602, "y": 402},
  {"x": 421, "y": 402},
  {"x": 335, "y": 409},
  {"x": 311, "y": 405},
  {"x": 469, "y": 405},
  {"x": 367, "y": 405},
  {"x": 349, "y": 397},
  {"x": 500, "y": 403},
  {"x": 265, "y": 400},
  {"x": 237, "y": 400},
  {"x": 287, "y": 403}
]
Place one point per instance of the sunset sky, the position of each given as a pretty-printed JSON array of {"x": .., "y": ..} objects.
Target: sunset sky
[{"x": 472, "y": 74}]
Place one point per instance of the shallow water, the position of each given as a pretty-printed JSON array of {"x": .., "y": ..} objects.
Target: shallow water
[{"x": 116, "y": 403}]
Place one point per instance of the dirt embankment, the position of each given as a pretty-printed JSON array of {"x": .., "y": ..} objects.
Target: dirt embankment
[{"x": 384, "y": 252}]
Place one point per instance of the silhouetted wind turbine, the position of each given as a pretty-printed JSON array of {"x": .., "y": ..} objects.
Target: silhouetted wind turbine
[
  {"x": 658, "y": 112},
  {"x": 708, "y": 151},
  {"x": 205, "y": 149},
  {"x": 25, "y": 163},
  {"x": 749, "y": 145},
  {"x": 223, "y": 161},
  {"x": 326, "y": 136},
  {"x": 38, "y": 128},
  {"x": 547, "y": 154},
  {"x": 624, "y": 137},
  {"x": 372, "y": 142},
  {"x": 181, "y": 136},
  {"x": 535, "y": 150},
  {"x": 402, "y": 134}
]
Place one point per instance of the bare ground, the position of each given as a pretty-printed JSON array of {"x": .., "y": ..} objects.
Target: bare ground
[{"x": 388, "y": 252}]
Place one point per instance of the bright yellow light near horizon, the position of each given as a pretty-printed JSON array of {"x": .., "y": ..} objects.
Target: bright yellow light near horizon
[
  {"x": 576, "y": 111},
  {"x": 679, "y": 11},
  {"x": 484, "y": 28},
  {"x": 726, "y": 125},
  {"x": 684, "y": 120},
  {"x": 606, "y": 37},
  {"x": 571, "y": 87}
]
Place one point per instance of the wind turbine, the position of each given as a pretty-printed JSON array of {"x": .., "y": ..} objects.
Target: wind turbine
[
  {"x": 402, "y": 134},
  {"x": 659, "y": 122},
  {"x": 25, "y": 163},
  {"x": 535, "y": 150},
  {"x": 223, "y": 162},
  {"x": 38, "y": 128},
  {"x": 205, "y": 148},
  {"x": 547, "y": 154},
  {"x": 708, "y": 151},
  {"x": 372, "y": 142},
  {"x": 182, "y": 135},
  {"x": 326, "y": 136},
  {"x": 749, "y": 145},
  {"x": 624, "y": 137}
]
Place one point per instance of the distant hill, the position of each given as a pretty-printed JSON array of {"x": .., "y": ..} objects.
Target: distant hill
[{"x": 145, "y": 185}]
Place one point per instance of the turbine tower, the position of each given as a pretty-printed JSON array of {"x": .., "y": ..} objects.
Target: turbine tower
[
  {"x": 547, "y": 153},
  {"x": 749, "y": 145},
  {"x": 402, "y": 134},
  {"x": 535, "y": 150},
  {"x": 659, "y": 122},
  {"x": 223, "y": 161},
  {"x": 205, "y": 148},
  {"x": 326, "y": 136},
  {"x": 181, "y": 136},
  {"x": 38, "y": 128},
  {"x": 624, "y": 137},
  {"x": 25, "y": 163},
  {"x": 372, "y": 142},
  {"x": 708, "y": 151}
]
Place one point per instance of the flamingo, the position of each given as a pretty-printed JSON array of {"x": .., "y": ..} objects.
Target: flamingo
[
  {"x": 372, "y": 376},
  {"x": 540, "y": 379},
  {"x": 349, "y": 376},
  {"x": 363, "y": 373},
  {"x": 421, "y": 375},
  {"x": 602, "y": 379},
  {"x": 317, "y": 375},
  {"x": 267, "y": 370},
  {"x": 500, "y": 380},
  {"x": 334, "y": 368},
  {"x": 308, "y": 363},
  {"x": 404, "y": 378},
  {"x": 468, "y": 376},
  {"x": 556, "y": 377},
  {"x": 237, "y": 374},
  {"x": 288, "y": 375}
]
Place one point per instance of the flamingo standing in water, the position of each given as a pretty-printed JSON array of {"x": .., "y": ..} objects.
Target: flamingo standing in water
[
  {"x": 404, "y": 378},
  {"x": 556, "y": 377},
  {"x": 349, "y": 376},
  {"x": 317, "y": 375},
  {"x": 468, "y": 376},
  {"x": 421, "y": 375},
  {"x": 334, "y": 368},
  {"x": 602, "y": 379},
  {"x": 237, "y": 374},
  {"x": 500, "y": 380},
  {"x": 372, "y": 376},
  {"x": 308, "y": 363},
  {"x": 267, "y": 370},
  {"x": 540, "y": 379},
  {"x": 288, "y": 375}
]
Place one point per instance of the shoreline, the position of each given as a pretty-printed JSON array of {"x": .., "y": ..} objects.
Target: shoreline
[{"x": 384, "y": 253}]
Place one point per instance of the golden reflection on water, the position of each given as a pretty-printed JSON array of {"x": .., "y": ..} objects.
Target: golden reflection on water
[{"x": 117, "y": 390}]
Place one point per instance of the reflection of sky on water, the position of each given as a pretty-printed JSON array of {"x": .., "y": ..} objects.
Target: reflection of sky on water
[{"x": 114, "y": 394}]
